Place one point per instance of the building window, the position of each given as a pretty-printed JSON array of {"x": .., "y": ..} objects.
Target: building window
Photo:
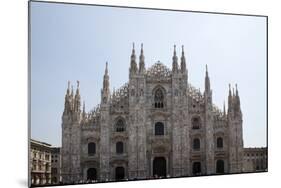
[
  {"x": 196, "y": 123},
  {"x": 119, "y": 147},
  {"x": 196, "y": 144},
  {"x": 120, "y": 126},
  {"x": 91, "y": 148},
  {"x": 158, "y": 98},
  {"x": 196, "y": 168},
  {"x": 54, "y": 179},
  {"x": 34, "y": 166},
  {"x": 47, "y": 167},
  {"x": 219, "y": 142},
  {"x": 159, "y": 128},
  {"x": 220, "y": 167},
  {"x": 54, "y": 170},
  {"x": 47, "y": 157}
]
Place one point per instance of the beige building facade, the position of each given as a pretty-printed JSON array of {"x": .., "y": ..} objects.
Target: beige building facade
[
  {"x": 156, "y": 125},
  {"x": 255, "y": 159},
  {"x": 40, "y": 163}
]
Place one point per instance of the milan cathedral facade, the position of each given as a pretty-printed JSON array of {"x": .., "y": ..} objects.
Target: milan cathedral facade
[{"x": 156, "y": 125}]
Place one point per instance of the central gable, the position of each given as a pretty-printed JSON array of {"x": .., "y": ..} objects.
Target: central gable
[{"x": 158, "y": 72}]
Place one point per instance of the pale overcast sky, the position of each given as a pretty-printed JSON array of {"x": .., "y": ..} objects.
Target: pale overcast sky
[{"x": 73, "y": 42}]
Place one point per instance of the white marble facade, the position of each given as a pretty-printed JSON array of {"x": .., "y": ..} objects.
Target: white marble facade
[{"x": 156, "y": 125}]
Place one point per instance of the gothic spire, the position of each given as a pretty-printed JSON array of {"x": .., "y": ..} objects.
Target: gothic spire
[
  {"x": 175, "y": 61},
  {"x": 67, "y": 100},
  {"x": 237, "y": 98},
  {"x": 141, "y": 63},
  {"x": 105, "y": 90},
  {"x": 229, "y": 93},
  {"x": 72, "y": 93},
  {"x": 183, "y": 63},
  {"x": 207, "y": 81},
  {"x": 68, "y": 88},
  {"x": 133, "y": 66},
  {"x": 106, "y": 77},
  {"x": 224, "y": 112},
  {"x": 236, "y": 90},
  {"x": 77, "y": 99},
  {"x": 77, "y": 89},
  {"x": 229, "y": 99}
]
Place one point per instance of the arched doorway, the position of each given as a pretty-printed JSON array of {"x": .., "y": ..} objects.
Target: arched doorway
[
  {"x": 91, "y": 174},
  {"x": 119, "y": 173},
  {"x": 196, "y": 168},
  {"x": 159, "y": 167},
  {"x": 220, "y": 167}
]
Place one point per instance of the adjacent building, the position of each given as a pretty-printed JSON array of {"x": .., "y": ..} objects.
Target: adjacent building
[
  {"x": 255, "y": 159},
  {"x": 156, "y": 125},
  {"x": 40, "y": 162},
  {"x": 56, "y": 165}
]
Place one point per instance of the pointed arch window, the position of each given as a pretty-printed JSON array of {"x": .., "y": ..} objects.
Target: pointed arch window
[
  {"x": 196, "y": 123},
  {"x": 219, "y": 142},
  {"x": 159, "y": 98},
  {"x": 120, "y": 126},
  {"x": 159, "y": 128}
]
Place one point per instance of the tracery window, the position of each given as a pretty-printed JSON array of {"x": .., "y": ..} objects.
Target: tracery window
[
  {"x": 196, "y": 123},
  {"x": 120, "y": 126},
  {"x": 159, "y": 128},
  {"x": 158, "y": 98}
]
